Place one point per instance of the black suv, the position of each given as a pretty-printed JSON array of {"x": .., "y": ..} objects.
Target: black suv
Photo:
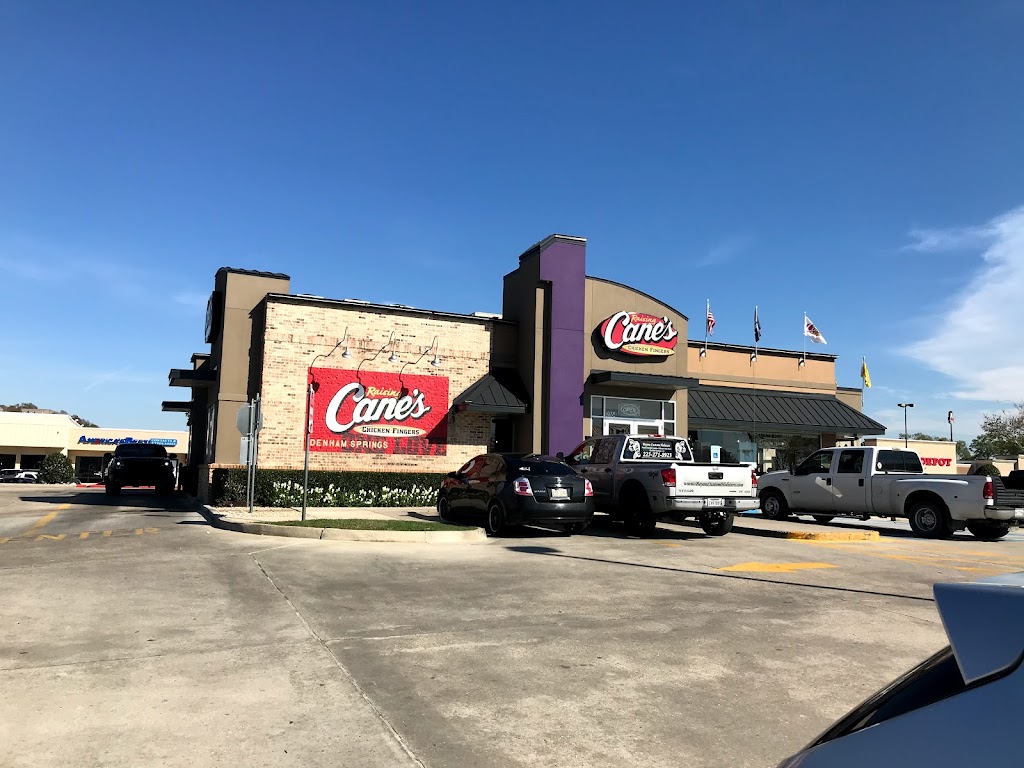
[
  {"x": 516, "y": 488},
  {"x": 139, "y": 464}
]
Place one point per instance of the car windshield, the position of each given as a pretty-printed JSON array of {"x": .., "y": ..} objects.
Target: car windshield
[{"x": 142, "y": 450}]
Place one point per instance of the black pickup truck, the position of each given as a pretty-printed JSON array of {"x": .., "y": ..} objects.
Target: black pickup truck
[{"x": 139, "y": 464}]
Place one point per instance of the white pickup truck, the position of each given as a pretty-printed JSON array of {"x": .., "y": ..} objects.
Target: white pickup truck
[
  {"x": 865, "y": 481},
  {"x": 641, "y": 478}
]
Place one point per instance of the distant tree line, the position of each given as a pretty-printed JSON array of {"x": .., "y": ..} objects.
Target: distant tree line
[{"x": 19, "y": 407}]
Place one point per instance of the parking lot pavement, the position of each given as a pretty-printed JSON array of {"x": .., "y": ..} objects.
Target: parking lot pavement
[{"x": 194, "y": 646}]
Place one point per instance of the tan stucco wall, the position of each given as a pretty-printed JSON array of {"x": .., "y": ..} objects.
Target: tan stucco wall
[
  {"x": 604, "y": 299},
  {"x": 230, "y": 352},
  {"x": 296, "y": 333},
  {"x": 771, "y": 370}
]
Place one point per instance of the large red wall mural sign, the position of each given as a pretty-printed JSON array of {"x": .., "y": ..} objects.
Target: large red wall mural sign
[{"x": 373, "y": 412}]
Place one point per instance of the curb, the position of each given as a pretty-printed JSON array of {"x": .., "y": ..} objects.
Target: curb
[{"x": 475, "y": 536}]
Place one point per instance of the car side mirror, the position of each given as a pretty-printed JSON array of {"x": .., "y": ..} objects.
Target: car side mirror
[{"x": 560, "y": 456}]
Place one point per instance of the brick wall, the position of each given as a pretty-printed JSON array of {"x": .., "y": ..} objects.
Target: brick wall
[{"x": 296, "y": 333}]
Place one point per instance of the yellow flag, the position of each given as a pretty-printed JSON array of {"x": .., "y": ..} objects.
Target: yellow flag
[{"x": 864, "y": 373}]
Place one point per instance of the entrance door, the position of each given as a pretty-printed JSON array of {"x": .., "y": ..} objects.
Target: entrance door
[{"x": 632, "y": 427}]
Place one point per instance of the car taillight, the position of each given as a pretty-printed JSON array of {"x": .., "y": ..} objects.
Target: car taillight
[
  {"x": 753, "y": 479},
  {"x": 589, "y": 488},
  {"x": 522, "y": 487},
  {"x": 988, "y": 492},
  {"x": 668, "y": 477}
]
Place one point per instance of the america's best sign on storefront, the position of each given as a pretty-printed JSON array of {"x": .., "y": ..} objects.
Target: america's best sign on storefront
[
  {"x": 637, "y": 333},
  {"x": 372, "y": 412}
]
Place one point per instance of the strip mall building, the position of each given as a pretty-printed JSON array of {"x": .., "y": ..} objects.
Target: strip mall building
[
  {"x": 405, "y": 389},
  {"x": 27, "y": 438}
]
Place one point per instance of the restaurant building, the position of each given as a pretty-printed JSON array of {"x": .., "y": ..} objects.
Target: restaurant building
[
  {"x": 398, "y": 388},
  {"x": 27, "y": 438}
]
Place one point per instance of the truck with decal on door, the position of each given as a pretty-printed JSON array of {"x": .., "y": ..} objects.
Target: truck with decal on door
[
  {"x": 887, "y": 482},
  {"x": 643, "y": 478}
]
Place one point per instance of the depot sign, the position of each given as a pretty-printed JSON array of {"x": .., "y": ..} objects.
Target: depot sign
[
  {"x": 373, "y": 412},
  {"x": 639, "y": 334},
  {"x": 930, "y": 462}
]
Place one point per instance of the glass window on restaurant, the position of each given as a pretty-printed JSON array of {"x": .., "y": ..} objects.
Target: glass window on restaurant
[
  {"x": 770, "y": 452},
  {"x": 631, "y": 415}
]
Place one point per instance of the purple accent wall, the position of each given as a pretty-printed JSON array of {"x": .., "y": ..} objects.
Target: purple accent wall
[{"x": 564, "y": 264}]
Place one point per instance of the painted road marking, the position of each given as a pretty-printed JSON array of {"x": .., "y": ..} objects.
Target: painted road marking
[
  {"x": 776, "y": 567},
  {"x": 79, "y": 535},
  {"x": 952, "y": 557},
  {"x": 45, "y": 519}
]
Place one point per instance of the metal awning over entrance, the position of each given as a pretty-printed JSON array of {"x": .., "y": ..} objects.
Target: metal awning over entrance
[
  {"x": 500, "y": 391},
  {"x": 771, "y": 411},
  {"x": 645, "y": 380},
  {"x": 190, "y": 377}
]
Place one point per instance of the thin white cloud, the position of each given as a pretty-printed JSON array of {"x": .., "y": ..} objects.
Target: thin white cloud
[
  {"x": 723, "y": 252},
  {"x": 943, "y": 240},
  {"x": 192, "y": 299},
  {"x": 978, "y": 343}
]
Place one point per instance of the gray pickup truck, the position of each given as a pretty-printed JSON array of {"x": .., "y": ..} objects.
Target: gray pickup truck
[
  {"x": 863, "y": 481},
  {"x": 643, "y": 478}
]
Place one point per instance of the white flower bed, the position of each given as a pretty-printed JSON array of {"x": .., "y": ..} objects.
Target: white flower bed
[{"x": 289, "y": 494}]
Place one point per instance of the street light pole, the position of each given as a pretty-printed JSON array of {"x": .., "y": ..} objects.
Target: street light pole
[
  {"x": 309, "y": 429},
  {"x": 906, "y": 432}
]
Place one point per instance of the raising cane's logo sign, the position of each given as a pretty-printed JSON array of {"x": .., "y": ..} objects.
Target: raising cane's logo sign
[
  {"x": 373, "y": 412},
  {"x": 636, "y": 333}
]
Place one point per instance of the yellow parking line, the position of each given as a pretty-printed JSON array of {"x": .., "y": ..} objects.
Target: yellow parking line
[{"x": 45, "y": 520}]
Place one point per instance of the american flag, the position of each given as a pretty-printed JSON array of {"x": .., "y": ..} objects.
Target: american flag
[
  {"x": 711, "y": 322},
  {"x": 757, "y": 327}
]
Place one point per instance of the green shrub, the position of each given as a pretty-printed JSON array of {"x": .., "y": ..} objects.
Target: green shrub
[
  {"x": 56, "y": 468},
  {"x": 987, "y": 469},
  {"x": 283, "y": 488}
]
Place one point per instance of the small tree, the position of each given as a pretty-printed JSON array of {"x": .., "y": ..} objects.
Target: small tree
[
  {"x": 1002, "y": 434},
  {"x": 56, "y": 469}
]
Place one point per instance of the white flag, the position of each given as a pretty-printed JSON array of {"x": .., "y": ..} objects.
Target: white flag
[{"x": 811, "y": 330}]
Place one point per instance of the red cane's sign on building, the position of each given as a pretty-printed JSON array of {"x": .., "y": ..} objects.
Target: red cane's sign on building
[
  {"x": 372, "y": 412},
  {"x": 636, "y": 333}
]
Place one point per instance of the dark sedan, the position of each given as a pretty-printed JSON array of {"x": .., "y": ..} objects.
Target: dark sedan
[{"x": 514, "y": 489}]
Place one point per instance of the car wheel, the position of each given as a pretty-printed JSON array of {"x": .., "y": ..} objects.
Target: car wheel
[
  {"x": 637, "y": 511},
  {"x": 823, "y": 518},
  {"x": 112, "y": 490},
  {"x": 444, "y": 507},
  {"x": 496, "y": 524},
  {"x": 931, "y": 520},
  {"x": 572, "y": 528},
  {"x": 719, "y": 526},
  {"x": 164, "y": 490},
  {"x": 773, "y": 506},
  {"x": 988, "y": 531}
]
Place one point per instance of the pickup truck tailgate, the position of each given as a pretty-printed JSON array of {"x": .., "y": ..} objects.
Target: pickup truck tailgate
[{"x": 713, "y": 480}]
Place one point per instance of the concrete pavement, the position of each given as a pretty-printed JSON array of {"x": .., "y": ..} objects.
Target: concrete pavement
[{"x": 189, "y": 645}]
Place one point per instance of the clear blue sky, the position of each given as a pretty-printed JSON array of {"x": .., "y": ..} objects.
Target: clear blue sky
[{"x": 862, "y": 162}]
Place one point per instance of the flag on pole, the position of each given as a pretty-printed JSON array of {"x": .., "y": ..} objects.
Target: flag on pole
[
  {"x": 757, "y": 327},
  {"x": 711, "y": 322},
  {"x": 864, "y": 374},
  {"x": 811, "y": 330}
]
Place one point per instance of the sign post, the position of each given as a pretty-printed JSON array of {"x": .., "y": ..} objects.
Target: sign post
[{"x": 249, "y": 422}]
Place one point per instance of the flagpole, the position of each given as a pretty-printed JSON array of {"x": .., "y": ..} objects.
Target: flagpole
[
  {"x": 706, "y": 313},
  {"x": 803, "y": 360}
]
